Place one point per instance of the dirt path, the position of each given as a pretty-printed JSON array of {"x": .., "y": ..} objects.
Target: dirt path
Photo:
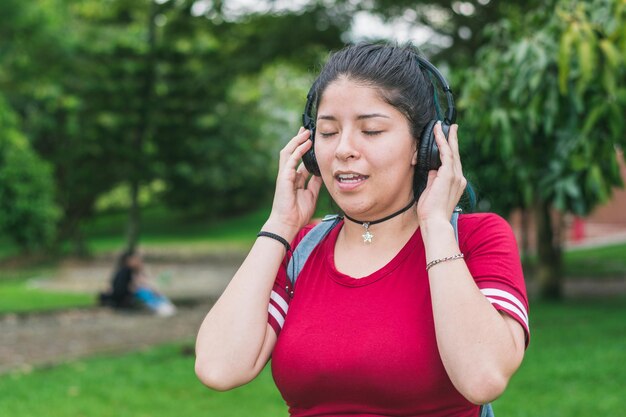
[{"x": 45, "y": 339}]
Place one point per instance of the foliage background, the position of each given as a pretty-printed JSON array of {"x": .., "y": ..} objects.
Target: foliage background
[{"x": 183, "y": 103}]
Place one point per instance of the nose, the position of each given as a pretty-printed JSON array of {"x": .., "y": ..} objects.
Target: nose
[{"x": 347, "y": 146}]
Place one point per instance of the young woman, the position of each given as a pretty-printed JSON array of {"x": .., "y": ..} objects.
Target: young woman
[{"x": 391, "y": 315}]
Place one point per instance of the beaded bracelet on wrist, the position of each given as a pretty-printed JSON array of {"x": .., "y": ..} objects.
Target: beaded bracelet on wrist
[{"x": 440, "y": 260}]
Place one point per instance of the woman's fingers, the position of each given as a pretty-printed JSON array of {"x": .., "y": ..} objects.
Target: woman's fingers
[
  {"x": 293, "y": 145},
  {"x": 301, "y": 176},
  {"x": 451, "y": 167},
  {"x": 445, "y": 153},
  {"x": 453, "y": 142},
  {"x": 314, "y": 185}
]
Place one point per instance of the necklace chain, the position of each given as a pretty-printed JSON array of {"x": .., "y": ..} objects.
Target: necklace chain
[{"x": 367, "y": 236}]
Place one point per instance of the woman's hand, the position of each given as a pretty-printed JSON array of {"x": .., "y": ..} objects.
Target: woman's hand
[
  {"x": 294, "y": 199},
  {"x": 445, "y": 186}
]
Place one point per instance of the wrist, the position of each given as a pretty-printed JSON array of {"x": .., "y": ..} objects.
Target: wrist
[
  {"x": 435, "y": 227},
  {"x": 286, "y": 231}
]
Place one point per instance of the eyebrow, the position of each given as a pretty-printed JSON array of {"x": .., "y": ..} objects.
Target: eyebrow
[{"x": 359, "y": 117}]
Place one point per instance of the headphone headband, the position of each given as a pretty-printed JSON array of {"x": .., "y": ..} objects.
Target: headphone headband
[{"x": 450, "y": 118}]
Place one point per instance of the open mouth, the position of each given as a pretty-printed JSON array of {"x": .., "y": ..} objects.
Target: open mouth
[{"x": 351, "y": 178}]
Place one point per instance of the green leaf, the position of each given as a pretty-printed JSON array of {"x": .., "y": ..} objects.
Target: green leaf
[
  {"x": 586, "y": 61},
  {"x": 611, "y": 53},
  {"x": 593, "y": 117},
  {"x": 565, "y": 58}
]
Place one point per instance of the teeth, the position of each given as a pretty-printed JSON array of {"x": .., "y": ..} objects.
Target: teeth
[{"x": 349, "y": 178}]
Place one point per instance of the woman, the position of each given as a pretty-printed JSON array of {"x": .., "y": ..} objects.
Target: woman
[{"x": 390, "y": 315}]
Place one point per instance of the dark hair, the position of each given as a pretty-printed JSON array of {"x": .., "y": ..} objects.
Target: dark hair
[
  {"x": 396, "y": 72},
  {"x": 123, "y": 258}
]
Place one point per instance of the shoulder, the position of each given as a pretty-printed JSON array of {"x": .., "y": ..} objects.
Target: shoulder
[
  {"x": 303, "y": 232},
  {"x": 481, "y": 224},
  {"x": 479, "y": 220},
  {"x": 329, "y": 222},
  {"x": 485, "y": 230}
]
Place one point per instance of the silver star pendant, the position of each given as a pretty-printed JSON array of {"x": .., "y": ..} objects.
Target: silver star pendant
[{"x": 367, "y": 236}]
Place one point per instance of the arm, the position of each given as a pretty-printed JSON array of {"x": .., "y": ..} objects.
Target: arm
[
  {"x": 235, "y": 341},
  {"x": 480, "y": 347}
]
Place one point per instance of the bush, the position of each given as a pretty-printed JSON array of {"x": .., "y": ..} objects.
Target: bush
[{"x": 28, "y": 213}]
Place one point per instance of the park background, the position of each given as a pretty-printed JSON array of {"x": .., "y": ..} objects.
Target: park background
[{"x": 157, "y": 124}]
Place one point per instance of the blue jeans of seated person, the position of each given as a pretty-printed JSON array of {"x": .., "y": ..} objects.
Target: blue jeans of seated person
[{"x": 158, "y": 303}]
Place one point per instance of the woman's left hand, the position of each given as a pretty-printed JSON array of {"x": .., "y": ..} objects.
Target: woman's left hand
[{"x": 445, "y": 186}]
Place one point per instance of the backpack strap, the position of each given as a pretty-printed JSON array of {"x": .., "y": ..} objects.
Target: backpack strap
[
  {"x": 455, "y": 222},
  {"x": 307, "y": 244},
  {"x": 310, "y": 241}
]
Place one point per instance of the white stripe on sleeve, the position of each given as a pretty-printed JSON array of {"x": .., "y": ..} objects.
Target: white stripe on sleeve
[
  {"x": 503, "y": 294},
  {"x": 276, "y": 314},
  {"x": 280, "y": 301},
  {"x": 511, "y": 308}
]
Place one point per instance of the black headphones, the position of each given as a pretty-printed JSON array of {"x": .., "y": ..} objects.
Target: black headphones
[{"x": 428, "y": 153}]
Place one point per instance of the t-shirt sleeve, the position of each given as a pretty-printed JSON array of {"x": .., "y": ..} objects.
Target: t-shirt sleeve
[
  {"x": 282, "y": 291},
  {"x": 493, "y": 259},
  {"x": 279, "y": 300}
]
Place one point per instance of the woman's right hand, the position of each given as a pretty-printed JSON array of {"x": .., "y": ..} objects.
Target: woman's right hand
[{"x": 294, "y": 199}]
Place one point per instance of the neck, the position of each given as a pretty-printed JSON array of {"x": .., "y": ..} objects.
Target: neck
[{"x": 382, "y": 230}]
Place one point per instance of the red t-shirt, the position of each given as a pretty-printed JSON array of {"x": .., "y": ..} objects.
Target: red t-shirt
[{"x": 366, "y": 347}]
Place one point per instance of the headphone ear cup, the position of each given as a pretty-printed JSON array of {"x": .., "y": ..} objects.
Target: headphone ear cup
[
  {"x": 309, "y": 159},
  {"x": 428, "y": 155}
]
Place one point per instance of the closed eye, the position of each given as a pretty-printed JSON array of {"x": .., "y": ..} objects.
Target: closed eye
[
  {"x": 327, "y": 134},
  {"x": 372, "y": 132}
]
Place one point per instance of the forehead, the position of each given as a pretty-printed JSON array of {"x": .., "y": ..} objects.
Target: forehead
[{"x": 348, "y": 95}]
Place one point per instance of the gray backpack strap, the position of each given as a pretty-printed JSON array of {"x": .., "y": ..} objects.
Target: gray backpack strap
[
  {"x": 307, "y": 244},
  {"x": 455, "y": 221},
  {"x": 486, "y": 411}
]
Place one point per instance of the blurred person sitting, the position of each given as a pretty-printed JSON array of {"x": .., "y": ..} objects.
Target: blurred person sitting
[{"x": 131, "y": 287}]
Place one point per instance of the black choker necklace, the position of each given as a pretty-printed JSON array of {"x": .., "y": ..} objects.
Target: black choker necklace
[{"x": 367, "y": 236}]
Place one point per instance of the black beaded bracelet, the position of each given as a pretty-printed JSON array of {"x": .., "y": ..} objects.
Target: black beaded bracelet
[{"x": 275, "y": 237}]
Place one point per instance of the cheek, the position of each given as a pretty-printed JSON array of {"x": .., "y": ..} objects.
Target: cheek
[
  {"x": 324, "y": 154},
  {"x": 324, "y": 157}
]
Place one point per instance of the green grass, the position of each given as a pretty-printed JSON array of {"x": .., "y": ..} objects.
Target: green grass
[
  {"x": 573, "y": 368},
  {"x": 19, "y": 297},
  {"x": 159, "y": 382},
  {"x": 161, "y": 227},
  {"x": 17, "y": 294},
  {"x": 600, "y": 262}
]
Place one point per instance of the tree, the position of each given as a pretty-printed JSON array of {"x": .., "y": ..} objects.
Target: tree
[
  {"x": 137, "y": 91},
  {"x": 212, "y": 150},
  {"x": 28, "y": 213},
  {"x": 544, "y": 107}
]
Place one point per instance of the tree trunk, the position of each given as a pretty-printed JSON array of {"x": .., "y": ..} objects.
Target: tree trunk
[
  {"x": 524, "y": 244},
  {"x": 549, "y": 254},
  {"x": 134, "y": 217},
  {"x": 139, "y": 162}
]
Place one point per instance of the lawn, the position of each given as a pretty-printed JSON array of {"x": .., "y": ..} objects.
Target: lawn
[
  {"x": 573, "y": 368},
  {"x": 605, "y": 261},
  {"x": 19, "y": 294},
  {"x": 158, "y": 382}
]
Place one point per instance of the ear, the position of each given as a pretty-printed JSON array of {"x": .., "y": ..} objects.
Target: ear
[{"x": 414, "y": 159}]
